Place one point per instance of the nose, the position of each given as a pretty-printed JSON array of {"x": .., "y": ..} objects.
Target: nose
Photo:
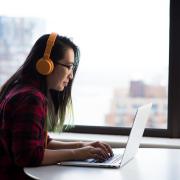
[{"x": 71, "y": 75}]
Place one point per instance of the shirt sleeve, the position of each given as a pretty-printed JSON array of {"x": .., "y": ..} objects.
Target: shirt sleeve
[{"x": 27, "y": 133}]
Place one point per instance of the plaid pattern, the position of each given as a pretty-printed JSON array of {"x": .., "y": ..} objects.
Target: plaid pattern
[{"x": 22, "y": 117}]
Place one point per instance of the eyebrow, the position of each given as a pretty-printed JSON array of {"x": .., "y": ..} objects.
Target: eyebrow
[
  {"x": 71, "y": 63},
  {"x": 68, "y": 62}
]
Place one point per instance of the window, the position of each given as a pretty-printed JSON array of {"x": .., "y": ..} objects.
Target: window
[{"x": 127, "y": 58}]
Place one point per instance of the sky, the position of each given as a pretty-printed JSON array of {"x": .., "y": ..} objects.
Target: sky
[{"x": 118, "y": 39}]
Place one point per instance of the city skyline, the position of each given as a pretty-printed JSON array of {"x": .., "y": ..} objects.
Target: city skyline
[
  {"x": 123, "y": 107},
  {"x": 101, "y": 70}
]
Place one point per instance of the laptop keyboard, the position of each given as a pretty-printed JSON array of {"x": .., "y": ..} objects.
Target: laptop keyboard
[
  {"x": 112, "y": 160},
  {"x": 116, "y": 158}
]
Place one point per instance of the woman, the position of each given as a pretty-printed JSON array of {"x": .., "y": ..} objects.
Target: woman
[{"x": 35, "y": 99}]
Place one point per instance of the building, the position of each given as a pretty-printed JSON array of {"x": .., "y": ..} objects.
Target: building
[
  {"x": 17, "y": 36},
  {"x": 123, "y": 108}
]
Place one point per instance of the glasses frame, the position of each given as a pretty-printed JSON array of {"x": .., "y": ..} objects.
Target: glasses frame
[{"x": 69, "y": 67}]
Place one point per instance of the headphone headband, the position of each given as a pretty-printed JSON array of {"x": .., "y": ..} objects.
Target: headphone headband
[{"x": 49, "y": 45}]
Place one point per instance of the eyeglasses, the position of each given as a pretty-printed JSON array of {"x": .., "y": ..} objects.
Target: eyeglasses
[{"x": 69, "y": 67}]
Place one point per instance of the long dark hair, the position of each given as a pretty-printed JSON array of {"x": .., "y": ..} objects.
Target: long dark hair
[{"x": 61, "y": 101}]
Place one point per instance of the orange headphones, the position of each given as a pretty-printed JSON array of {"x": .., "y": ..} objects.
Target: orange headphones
[{"x": 45, "y": 65}]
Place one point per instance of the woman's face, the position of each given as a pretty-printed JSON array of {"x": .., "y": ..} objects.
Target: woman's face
[{"x": 62, "y": 73}]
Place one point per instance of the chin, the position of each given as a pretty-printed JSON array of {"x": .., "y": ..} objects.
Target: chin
[{"x": 60, "y": 88}]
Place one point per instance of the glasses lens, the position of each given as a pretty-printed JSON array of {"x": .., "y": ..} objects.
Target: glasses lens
[{"x": 70, "y": 67}]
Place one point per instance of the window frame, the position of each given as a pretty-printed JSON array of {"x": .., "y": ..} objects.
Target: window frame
[{"x": 173, "y": 125}]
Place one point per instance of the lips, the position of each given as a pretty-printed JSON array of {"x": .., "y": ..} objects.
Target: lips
[{"x": 65, "y": 83}]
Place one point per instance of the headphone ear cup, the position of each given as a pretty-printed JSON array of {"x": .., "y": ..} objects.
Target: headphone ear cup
[
  {"x": 52, "y": 65},
  {"x": 44, "y": 66}
]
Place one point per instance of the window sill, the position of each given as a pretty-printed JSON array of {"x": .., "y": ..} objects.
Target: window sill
[{"x": 117, "y": 141}]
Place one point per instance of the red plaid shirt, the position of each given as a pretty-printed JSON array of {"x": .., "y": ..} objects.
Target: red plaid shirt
[{"x": 22, "y": 137}]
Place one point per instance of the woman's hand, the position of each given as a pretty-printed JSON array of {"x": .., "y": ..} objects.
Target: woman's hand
[
  {"x": 105, "y": 148},
  {"x": 97, "y": 144},
  {"x": 89, "y": 151}
]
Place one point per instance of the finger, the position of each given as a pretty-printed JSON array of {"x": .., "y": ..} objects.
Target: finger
[
  {"x": 109, "y": 149},
  {"x": 101, "y": 152},
  {"x": 102, "y": 146},
  {"x": 105, "y": 150},
  {"x": 98, "y": 157},
  {"x": 98, "y": 152}
]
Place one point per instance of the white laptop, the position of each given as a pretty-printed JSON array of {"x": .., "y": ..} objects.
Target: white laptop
[{"x": 121, "y": 158}]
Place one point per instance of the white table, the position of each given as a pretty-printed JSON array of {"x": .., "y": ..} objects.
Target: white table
[{"x": 149, "y": 164}]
